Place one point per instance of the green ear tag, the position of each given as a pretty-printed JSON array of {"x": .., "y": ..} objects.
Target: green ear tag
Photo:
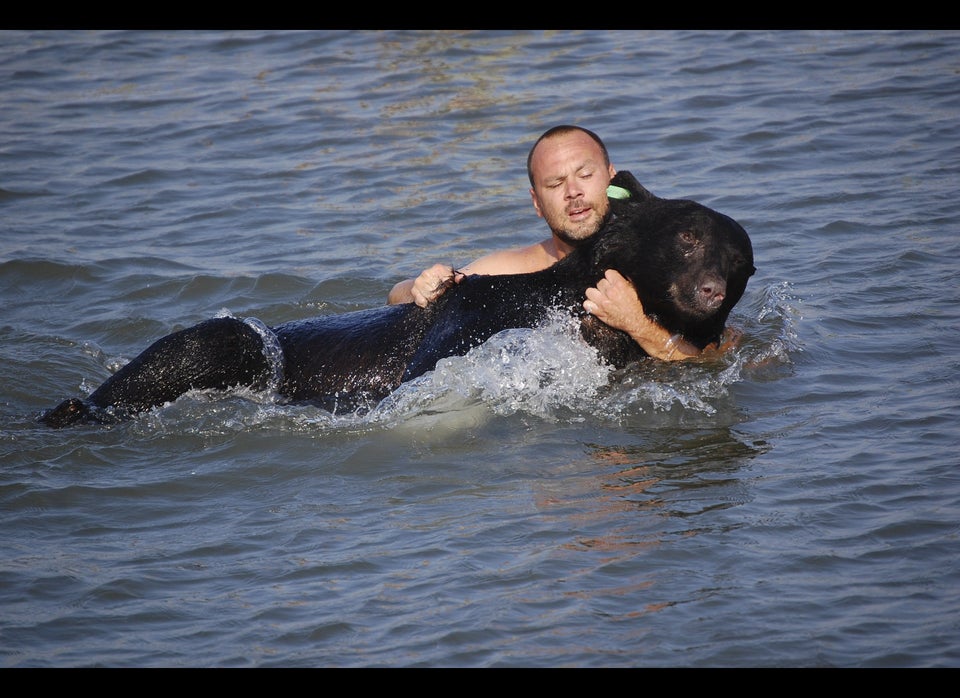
[{"x": 615, "y": 192}]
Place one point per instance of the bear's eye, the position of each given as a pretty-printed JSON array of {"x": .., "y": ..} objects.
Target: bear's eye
[
  {"x": 740, "y": 262},
  {"x": 688, "y": 241}
]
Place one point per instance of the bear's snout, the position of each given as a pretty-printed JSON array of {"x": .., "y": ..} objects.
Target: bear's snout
[{"x": 711, "y": 291}]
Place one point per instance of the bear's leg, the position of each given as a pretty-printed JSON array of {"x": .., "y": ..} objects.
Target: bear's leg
[{"x": 216, "y": 354}]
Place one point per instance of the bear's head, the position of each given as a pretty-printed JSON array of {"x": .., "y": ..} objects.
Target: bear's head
[{"x": 689, "y": 263}]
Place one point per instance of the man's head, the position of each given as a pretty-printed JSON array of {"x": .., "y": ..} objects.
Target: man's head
[{"x": 569, "y": 171}]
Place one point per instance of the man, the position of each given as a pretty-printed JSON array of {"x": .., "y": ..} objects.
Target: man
[{"x": 569, "y": 171}]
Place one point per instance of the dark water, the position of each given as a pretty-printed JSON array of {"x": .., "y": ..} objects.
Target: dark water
[{"x": 795, "y": 504}]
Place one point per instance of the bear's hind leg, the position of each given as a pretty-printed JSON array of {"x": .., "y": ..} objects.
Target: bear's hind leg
[{"x": 216, "y": 354}]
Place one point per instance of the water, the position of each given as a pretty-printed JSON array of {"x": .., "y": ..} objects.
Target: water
[{"x": 795, "y": 504}]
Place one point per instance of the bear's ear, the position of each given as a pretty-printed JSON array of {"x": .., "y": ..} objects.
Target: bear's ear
[{"x": 625, "y": 180}]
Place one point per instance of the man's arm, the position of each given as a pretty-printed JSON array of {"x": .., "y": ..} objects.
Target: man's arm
[
  {"x": 433, "y": 282},
  {"x": 615, "y": 302},
  {"x": 401, "y": 292}
]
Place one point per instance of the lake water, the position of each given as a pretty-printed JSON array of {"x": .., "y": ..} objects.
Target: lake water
[{"x": 795, "y": 504}]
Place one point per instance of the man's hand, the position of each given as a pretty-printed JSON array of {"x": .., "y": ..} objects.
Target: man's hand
[
  {"x": 433, "y": 282},
  {"x": 614, "y": 301}
]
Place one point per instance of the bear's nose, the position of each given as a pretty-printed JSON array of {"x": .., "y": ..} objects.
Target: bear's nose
[{"x": 712, "y": 292}]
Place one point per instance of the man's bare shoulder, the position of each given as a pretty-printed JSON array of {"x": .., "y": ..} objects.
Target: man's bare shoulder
[{"x": 518, "y": 260}]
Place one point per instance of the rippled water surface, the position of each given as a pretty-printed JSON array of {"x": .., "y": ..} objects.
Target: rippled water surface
[{"x": 796, "y": 503}]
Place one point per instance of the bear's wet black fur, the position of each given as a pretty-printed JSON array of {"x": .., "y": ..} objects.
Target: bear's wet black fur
[{"x": 689, "y": 264}]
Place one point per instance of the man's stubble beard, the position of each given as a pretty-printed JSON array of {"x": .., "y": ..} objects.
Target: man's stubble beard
[{"x": 579, "y": 238}]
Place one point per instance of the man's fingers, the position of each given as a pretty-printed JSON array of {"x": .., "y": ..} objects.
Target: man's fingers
[{"x": 432, "y": 283}]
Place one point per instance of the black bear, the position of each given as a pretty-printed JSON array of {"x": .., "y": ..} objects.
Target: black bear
[{"x": 689, "y": 264}]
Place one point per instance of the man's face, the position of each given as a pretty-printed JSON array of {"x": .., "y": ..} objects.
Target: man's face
[{"x": 570, "y": 182}]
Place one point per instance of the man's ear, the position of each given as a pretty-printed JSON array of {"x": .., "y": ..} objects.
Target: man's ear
[{"x": 536, "y": 202}]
